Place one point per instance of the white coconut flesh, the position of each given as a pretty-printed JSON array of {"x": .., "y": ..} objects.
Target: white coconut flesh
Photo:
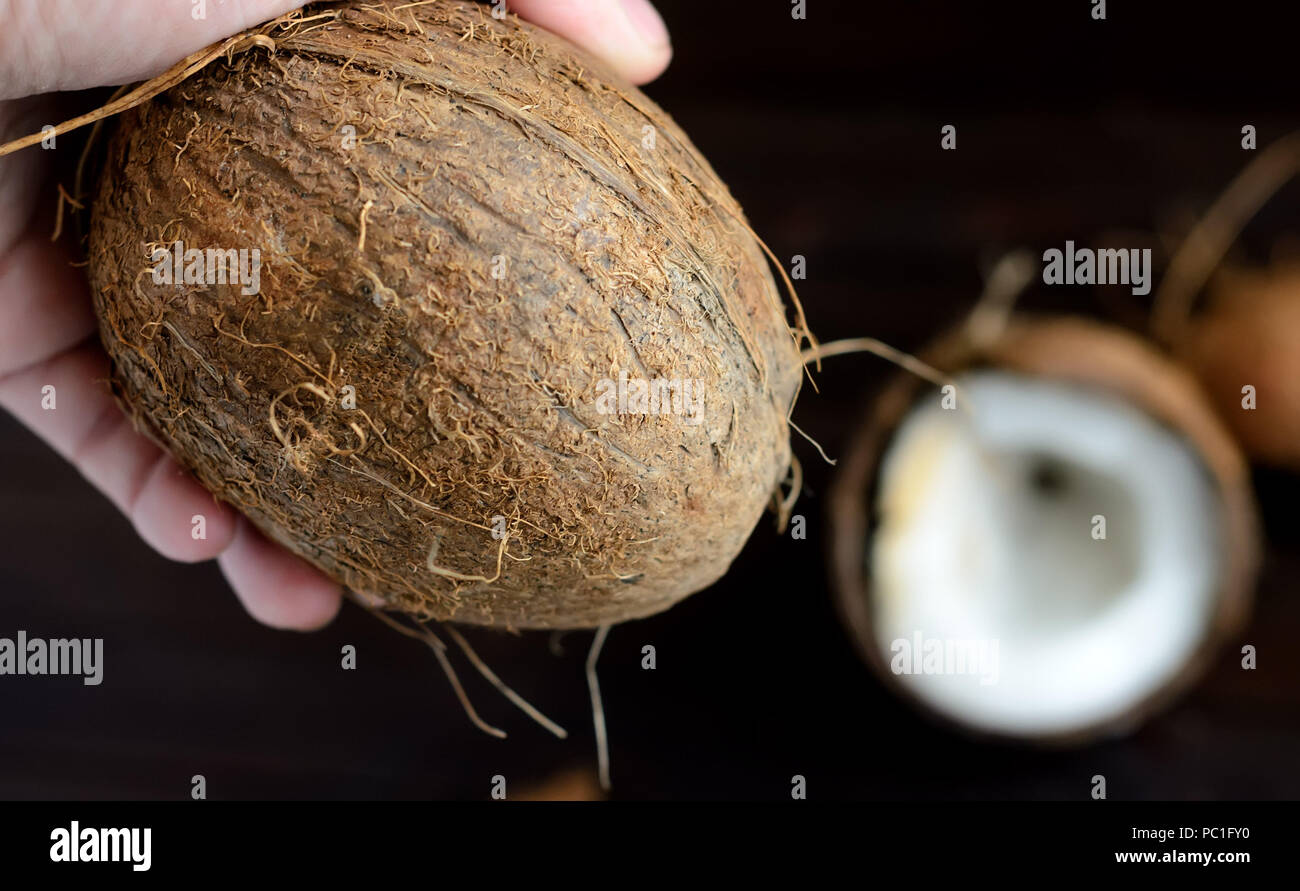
[{"x": 1018, "y": 617}]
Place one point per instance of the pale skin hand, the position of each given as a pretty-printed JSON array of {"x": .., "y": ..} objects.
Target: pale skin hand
[{"x": 47, "y": 325}]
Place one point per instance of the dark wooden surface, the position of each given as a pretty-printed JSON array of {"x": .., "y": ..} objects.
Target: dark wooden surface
[{"x": 827, "y": 132}]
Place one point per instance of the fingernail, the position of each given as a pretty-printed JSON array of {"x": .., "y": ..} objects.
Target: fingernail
[{"x": 647, "y": 22}]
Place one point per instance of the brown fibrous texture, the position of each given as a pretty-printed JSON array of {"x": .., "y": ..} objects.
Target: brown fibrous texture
[
  {"x": 439, "y": 303},
  {"x": 1248, "y": 338}
]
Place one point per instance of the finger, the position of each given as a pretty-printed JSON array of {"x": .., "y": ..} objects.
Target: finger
[
  {"x": 48, "y": 45},
  {"x": 45, "y": 308},
  {"x": 23, "y": 175},
  {"x": 276, "y": 587},
  {"x": 628, "y": 35},
  {"x": 45, "y": 312},
  {"x": 64, "y": 401}
]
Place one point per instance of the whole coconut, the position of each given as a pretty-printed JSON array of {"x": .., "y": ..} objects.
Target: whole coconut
[
  {"x": 469, "y": 237},
  {"x": 1244, "y": 351}
]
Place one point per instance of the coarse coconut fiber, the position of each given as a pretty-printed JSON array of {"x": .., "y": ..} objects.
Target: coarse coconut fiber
[{"x": 464, "y": 228}]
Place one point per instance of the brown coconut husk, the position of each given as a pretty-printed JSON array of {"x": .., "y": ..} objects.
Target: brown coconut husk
[
  {"x": 1249, "y": 336},
  {"x": 1082, "y": 352},
  {"x": 1246, "y": 334},
  {"x": 572, "y": 784},
  {"x": 475, "y": 139}
]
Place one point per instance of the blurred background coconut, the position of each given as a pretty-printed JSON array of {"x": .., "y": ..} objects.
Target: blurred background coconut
[
  {"x": 1114, "y": 133},
  {"x": 1053, "y": 546},
  {"x": 1244, "y": 347}
]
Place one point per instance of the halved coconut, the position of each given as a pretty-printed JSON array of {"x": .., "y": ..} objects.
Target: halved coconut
[{"x": 1053, "y": 549}]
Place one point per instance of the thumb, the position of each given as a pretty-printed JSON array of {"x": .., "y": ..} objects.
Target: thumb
[
  {"x": 629, "y": 35},
  {"x": 48, "y": 45}
]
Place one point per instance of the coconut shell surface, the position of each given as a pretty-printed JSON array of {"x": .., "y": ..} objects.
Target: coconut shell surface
[
  {"x": 1077, "y": 351},
  {"x": 1250, "y": 337},
  {"x": 465, "y": 227}
]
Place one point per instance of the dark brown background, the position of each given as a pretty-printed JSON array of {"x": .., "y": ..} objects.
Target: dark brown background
[{"x": 827, "y": 131}]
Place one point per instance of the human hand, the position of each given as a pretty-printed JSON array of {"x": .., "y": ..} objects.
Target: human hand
[{"x": 47, "y": 323}]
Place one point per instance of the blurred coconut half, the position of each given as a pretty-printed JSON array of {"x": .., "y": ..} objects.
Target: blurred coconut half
[{"x": 1052, "y": 547}]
